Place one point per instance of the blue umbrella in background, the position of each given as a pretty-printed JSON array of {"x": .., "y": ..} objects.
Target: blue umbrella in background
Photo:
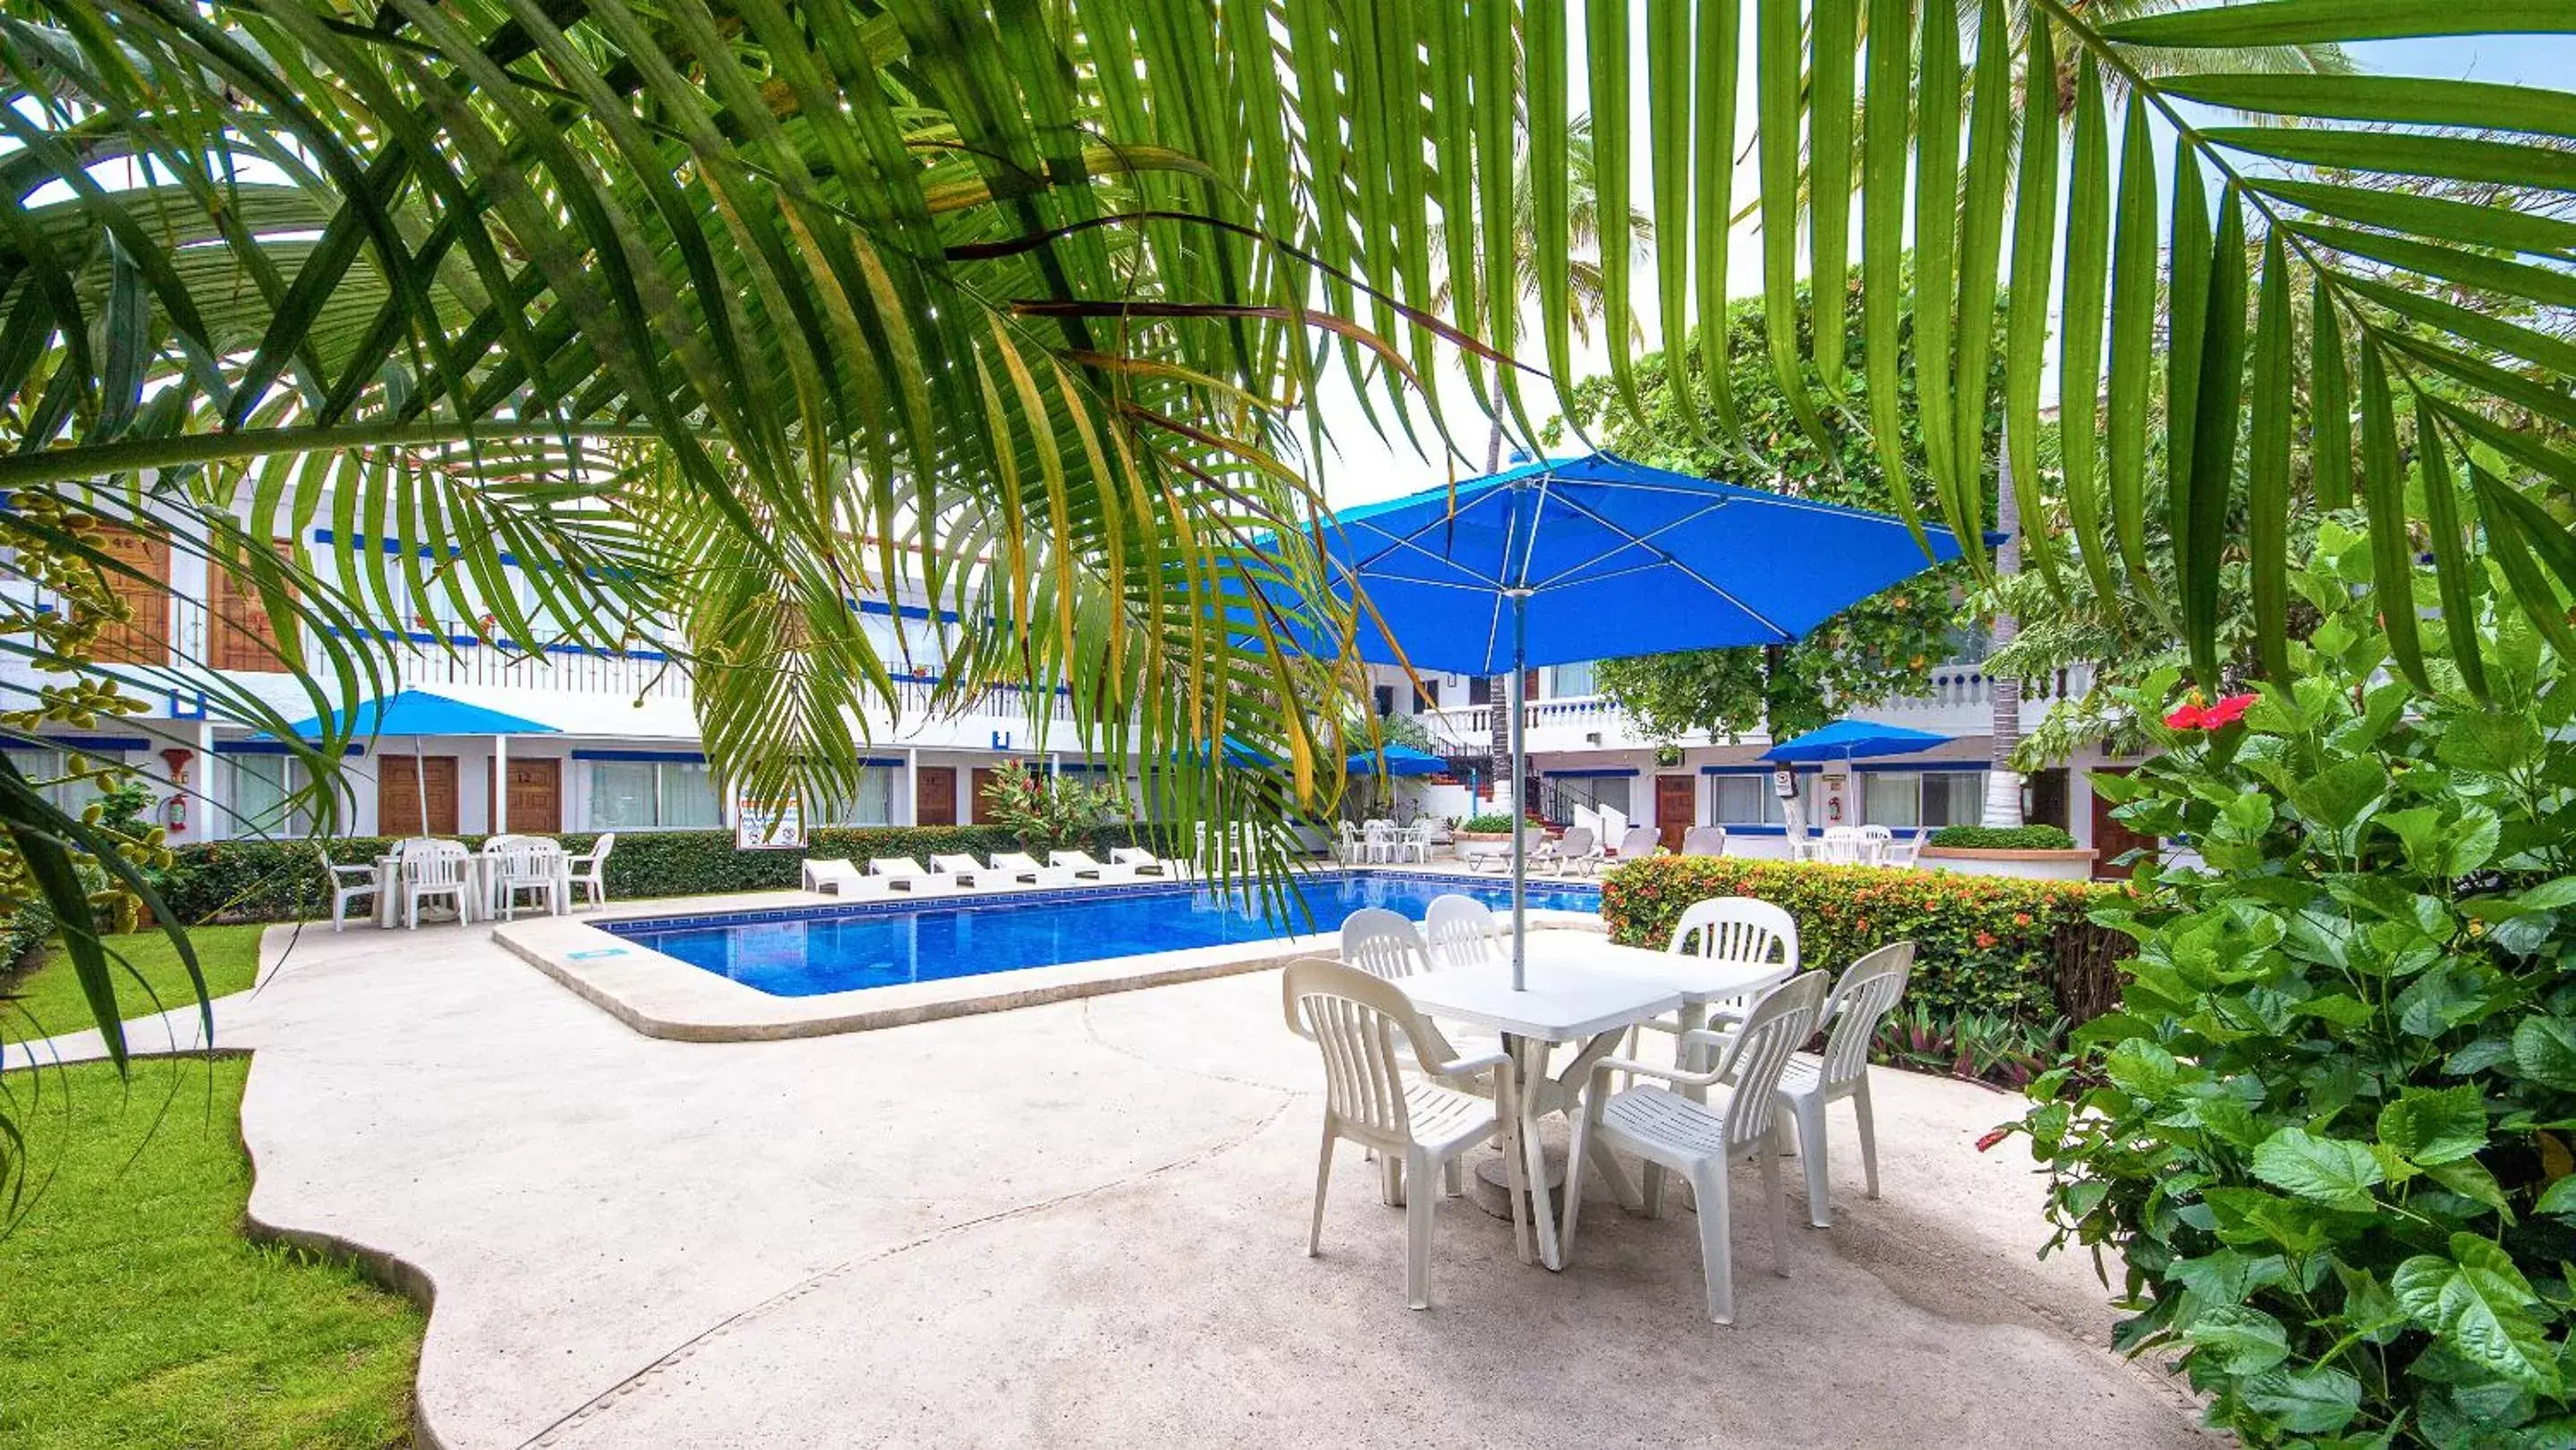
[
  {"x": 417, "y": 713},
  {"x": 1399, "y": 760},
  {"x": 1854, "y": 740},
  {"x": 1597, "y": 558}
]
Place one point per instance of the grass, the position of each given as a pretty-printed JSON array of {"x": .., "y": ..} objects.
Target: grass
[
  {"x": 134, "y": 1314},
  {"x": 50, "y": 1000}
]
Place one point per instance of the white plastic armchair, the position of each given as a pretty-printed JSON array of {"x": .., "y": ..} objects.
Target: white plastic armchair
[
  {"x": 1811, "y": 1081},
  {"x": 902, "y": 873},
  {"x": 590, "y": 873},
  {"x": 1358, "y": 1022},
  {"x": 348, "y": 883},
  {"x": 1703, "y": 1140},
  {"x": 1704, "y": 841},
  {"x": 1383, "y": 944},
  {"x": 524, "y": 864},
  {"x": 1460, "y": 931},
  {"x": 1909, "y": 853},
  {"x": 431, "y": 869}
]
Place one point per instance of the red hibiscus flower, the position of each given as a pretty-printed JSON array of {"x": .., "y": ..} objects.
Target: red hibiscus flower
[{"x": 2192, "y": 715}]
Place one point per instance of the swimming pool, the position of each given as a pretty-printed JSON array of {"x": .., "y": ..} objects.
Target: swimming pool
[{"x": 807, "y": 951}]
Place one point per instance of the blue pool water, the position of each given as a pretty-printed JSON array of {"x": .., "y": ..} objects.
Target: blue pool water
[{"x": 806, "y": 952}]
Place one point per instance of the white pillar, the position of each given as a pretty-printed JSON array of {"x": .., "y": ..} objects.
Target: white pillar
[
  {"x": 907, "y": 812},
  {"x": 500, "y": 811},
  {"x": 206, "y": 812}
]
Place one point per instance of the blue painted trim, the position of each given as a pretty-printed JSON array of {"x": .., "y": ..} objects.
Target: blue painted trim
[
  {"x": 889, "y": 762},
  {"x": 668, "y": 757},
  {"x": 274, "y": 747},
  {"x": 907, "y": 611},
  {"x": 85, "y": 744},
  {"x": 1604, "y": 773},
  {"x": 1751, "y": 769},
  {"x": 1928, "y": 767},
  {"x": 1735, "y": 830}
]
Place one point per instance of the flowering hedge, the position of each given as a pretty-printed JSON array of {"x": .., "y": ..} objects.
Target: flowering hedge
[{"x": 1989, "y": 944}]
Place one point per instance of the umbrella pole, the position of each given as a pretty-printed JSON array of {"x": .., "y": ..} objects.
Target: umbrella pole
[{"x": 1520, "y": 779}]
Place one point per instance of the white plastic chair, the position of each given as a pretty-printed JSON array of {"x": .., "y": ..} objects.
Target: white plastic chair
[
  {"x": 1840, "y": 846},
  {"x": 1358, "y": 1023},
  {"x": 590, "y": 873},
  {"x": 1640, "y": 842},
  {"x": 1346, "y": 845},
  {"x": 1909, "y": 853},
  {"x": 1704, "y": 841},
  {"x": 1383, "y": 944},
  {"x": 527, "y": 863},
  {"x": 348, "y": 883},
  {"x": 1413, "y": 843},
  {"x": 431, "y": 869},
  {"x": 1875, "y": 841},
  {"x": 1701, "y": 1141},
  {"x": 1460, "y": 931},
  {"x": 1741, "y": 929},
  {"x": 1377, "y": 842},
  {"x": 1867, "y": 992}
]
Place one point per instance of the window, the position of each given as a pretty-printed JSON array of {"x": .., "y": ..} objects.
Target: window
[
  {"x": 260, "y": 794},
  {"x": 1904, "y": 799},
  {"x": 1744, "y": 800},
  {"x": 1386, "y": 699},
  {"x": 1428, "y": 697},
  {"x": 642, "y": 795},
  {"x": 1574, "y": 679},
  {"x": 1480, "y": 690},
  {"x": 1596, "y": 791},
  {"x": 621, "y": 795},
  {"x": 873, "y": 806}
]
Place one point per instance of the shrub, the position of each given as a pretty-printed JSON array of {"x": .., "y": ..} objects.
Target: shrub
[
  {"x": 2004, "y": 838},
  {"x": 282, "y": 880},
  {"x": 1047, "y": 813},
  {"x": 2329, "y": 1130},
  {"x": 1495, "y": 824},
  {"x": 1985, "y": 944}
]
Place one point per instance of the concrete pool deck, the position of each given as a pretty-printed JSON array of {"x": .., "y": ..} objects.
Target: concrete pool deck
[{"x": 1083, "y": 1224}]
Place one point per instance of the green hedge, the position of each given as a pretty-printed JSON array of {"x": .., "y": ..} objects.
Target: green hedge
[
  {"x": 2004, "y": 838},
  {"x": 22, "y": 933},
  {"x": 1988, "y": 944},
  {"x": 282, "y": 880}
]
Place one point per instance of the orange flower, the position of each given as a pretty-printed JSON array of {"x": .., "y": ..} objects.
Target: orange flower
[{"x": 1985, "y": 939}]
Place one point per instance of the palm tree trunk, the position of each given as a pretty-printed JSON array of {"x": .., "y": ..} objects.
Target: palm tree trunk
[{"x": 2003, "y": 696}]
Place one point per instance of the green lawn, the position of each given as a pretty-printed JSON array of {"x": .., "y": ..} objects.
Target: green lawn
[
  {"x": 51, "y": 996},
  {"x": 134, "y": 1314}
]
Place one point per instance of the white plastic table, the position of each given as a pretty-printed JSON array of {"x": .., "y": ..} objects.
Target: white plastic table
[{"x": 1567, "y": 1001}]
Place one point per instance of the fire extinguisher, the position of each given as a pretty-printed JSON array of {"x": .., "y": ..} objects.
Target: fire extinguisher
[
  {"x": 174, "y": 814},
  {"x": 1834, "y": 810},
  {"x": 174, "y": 811}
]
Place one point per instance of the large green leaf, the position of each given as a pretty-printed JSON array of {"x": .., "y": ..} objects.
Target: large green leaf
[{"x": 2333, "y": 1171}]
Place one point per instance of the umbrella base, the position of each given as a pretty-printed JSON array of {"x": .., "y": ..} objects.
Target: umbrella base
[{"x": 1490, "y": 1186}]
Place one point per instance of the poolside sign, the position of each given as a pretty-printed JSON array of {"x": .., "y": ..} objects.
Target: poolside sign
[{"x": 768, "y": 825}]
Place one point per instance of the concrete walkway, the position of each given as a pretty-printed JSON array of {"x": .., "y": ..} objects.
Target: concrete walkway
[{"x": 1082, "y": 1224}]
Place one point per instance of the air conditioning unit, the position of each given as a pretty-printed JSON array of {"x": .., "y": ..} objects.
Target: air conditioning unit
[{"x": 1592, "y": 739}]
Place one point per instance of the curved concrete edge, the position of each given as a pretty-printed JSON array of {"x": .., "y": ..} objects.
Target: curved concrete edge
[
  {"x": 379, "y": 1267},
  {"x": 661, "y": 996}
]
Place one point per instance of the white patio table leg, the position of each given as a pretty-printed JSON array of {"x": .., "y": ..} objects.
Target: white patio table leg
[
  {"x": 1529, "y": 1062},
  {"x": 388, "y": 887}
]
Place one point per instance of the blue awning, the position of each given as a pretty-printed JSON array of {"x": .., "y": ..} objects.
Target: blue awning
[{"x": 418, "y": 712}]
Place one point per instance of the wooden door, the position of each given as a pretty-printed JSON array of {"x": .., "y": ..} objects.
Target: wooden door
[
  {"x": 1676, "y": 806},
  {"x": 143, "y": 638},
  {"x": 979, "y": 809},
  {"x": 240, "y": 635},
  {"x": 535, "y": 800},
  {"x": 2112, "y": 839},
  {"x": 934, "y": 795},
  {"x": 398, "y": 794}
]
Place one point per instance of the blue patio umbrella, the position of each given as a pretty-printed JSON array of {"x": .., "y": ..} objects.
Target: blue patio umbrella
[
  {"x": 1399, "y": 760},
  {"x": 1854, "y": 740},
  {"x": 416, "y": 713},
  {"x": 1597, "y": 557}
]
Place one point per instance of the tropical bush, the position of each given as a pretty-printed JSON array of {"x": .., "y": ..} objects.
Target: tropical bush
[
  {"x": 1047, "y": 813},
  {"x": 282, "y": 880},
  {"x": 1493, "y": 824},
  {"x": 1984, "y": 944},
  {"x": 2328, "y": 1132},
  {"x": 2004, "y": 838}
]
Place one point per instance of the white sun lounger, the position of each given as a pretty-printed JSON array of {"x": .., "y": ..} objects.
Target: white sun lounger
[
  {"x": 1149, "y": 864},
  {"x": 835, "y": 876},
  {"x": 905, "y": 874},
  {"x": 968, "y": 872},
  {"x": 1084, "y": 863},
  {"x": 1024, "y": 867}
]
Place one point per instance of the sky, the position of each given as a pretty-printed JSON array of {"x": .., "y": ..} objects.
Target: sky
[{"x": 1364, "y": 467}]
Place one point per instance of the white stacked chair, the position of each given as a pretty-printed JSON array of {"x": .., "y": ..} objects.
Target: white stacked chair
[
  {"x": 1703, "y": 1140},
  {"x": 1868, "y": 991},
  {"x": 527, "y": 863},
  {"x": 1358, "y": 1022},
  {"x": 431, "y": 869}
]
